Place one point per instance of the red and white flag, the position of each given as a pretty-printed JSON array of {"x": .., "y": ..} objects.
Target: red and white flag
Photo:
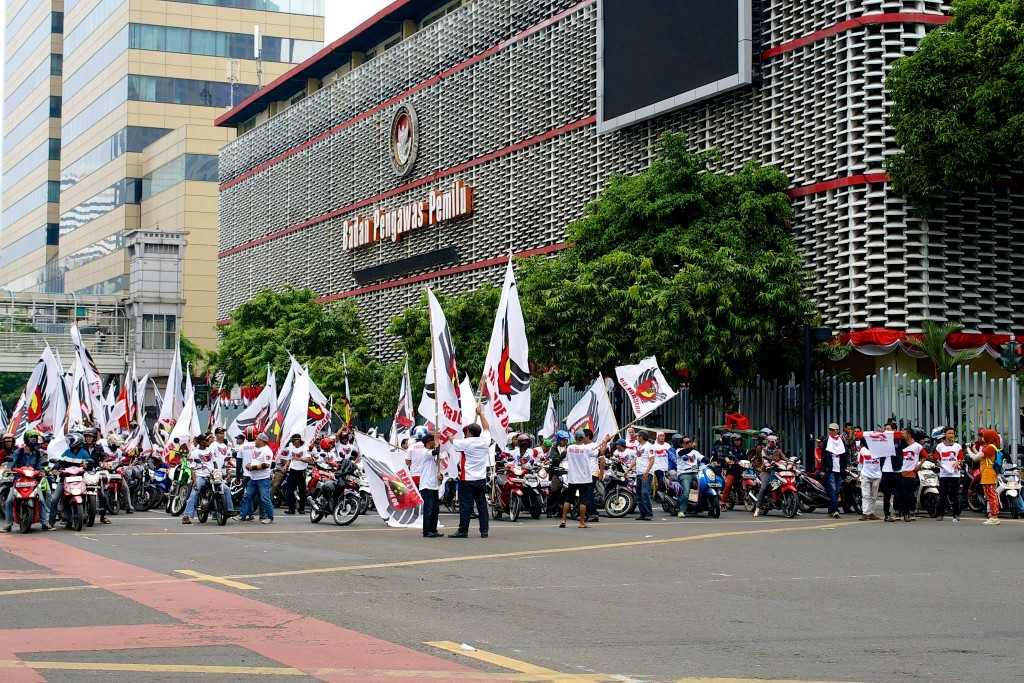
[
  {"x": 594, "y": 412},
  {"x": 506, "y": 377},
  {"x": 405, "y": 418},
  {"x": 645, "y": 386},
  {"x": 447, "y": 407},
  {"x": 394, "y": 493}
]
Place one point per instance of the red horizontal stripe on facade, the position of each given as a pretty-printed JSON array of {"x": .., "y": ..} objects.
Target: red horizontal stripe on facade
[
  {"x": 867, "y": 20},
  {"x": 412, "y": 91},
  {"x": 836, "y": 183},
  {"x": 362, "y": 203},
  {"x": 478, "y": 265}
]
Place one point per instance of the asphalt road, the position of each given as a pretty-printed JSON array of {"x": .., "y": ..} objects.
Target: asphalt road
[{"x": 669, "y": 600}]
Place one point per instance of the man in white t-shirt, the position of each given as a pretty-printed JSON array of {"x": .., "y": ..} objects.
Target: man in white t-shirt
[
  {"x": 951, "y": 457},
  {"x": 259, "y": 468},
  {"x": 643, "y": 466},
  {"x": 424, "y": 468},
  {"x": 870, "y": 476},
  {"x": 474, "y": 453},
  {"x": 579, "y": 459},
  {"x": 297, "y": 459}
]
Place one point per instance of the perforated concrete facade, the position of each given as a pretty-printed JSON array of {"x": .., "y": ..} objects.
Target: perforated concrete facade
[{"x": 505, "y": 91}]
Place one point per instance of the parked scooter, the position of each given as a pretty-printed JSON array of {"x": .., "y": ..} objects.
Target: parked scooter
[
  {"x": 619, "y": 500},
  {"x": 706, "y": 492},
  {"x": 1008, "y": 488},
  {"x": 928, "y": 488}
]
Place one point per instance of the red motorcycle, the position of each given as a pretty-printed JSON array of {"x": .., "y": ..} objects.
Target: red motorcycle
[
  {"x": 27, "y": 502},
  {"x": 71, "y": 506},
  {"x": 783, "y": 493},
  {"x": 111, "y": 480},
  {"x": 334, "y": 490},
  {"x": 520, "y": 490}
]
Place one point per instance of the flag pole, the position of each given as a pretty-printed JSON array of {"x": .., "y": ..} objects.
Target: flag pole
[{"x": 437, "y": 386}]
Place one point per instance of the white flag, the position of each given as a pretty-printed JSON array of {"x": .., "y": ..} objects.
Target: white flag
[
  {"x": 89, "y": 370},
  {"x": 405, "y": 418},
  {"x": 173, "y": 401},
  {"x": 467, "y": 400},
  {"x": 506, "y": 377},
  {"x": 394, "y": 493},
  {"x": 550, "y": 427},
  {"x": 259, "y": 413},
  {"x": 449, "y": 405},
  {"x": 645, "y": 386},
  {"x": 80, "y": 401},
  {"x": 318, "y": 414},
  {"x": 186, "y": 427},
  {"x": 297, "y": 410},
  {"x": 594, "y": 412},
  {"x": 45, "y": 395}
]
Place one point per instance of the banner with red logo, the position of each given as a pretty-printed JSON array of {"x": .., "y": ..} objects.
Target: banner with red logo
[
  {"x": 405, "y": 418},
  {"x": 445, "y": 407},
  {"x": 394, "y": 494},
  {"x": 593, "y": 412},
  {"x": 645, "y": 386}
]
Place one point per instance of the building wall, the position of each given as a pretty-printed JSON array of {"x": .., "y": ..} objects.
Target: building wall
[
  {"x": 32, "y": 114},
  {"x": 505, "y": 92},
  {"x": 135, "y": 72}
]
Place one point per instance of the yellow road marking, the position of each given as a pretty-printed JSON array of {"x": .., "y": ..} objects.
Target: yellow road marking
[
  {"x": 216, "y": 579},
  {"x": 496, "y": 659},
  {"x": 535, "y": 553},
  {"x": 51, "y": 589}
]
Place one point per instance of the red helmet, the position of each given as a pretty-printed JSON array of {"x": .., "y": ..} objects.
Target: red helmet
[
  {"x": 250, "y": 433},
  {"x": 327, "y": 443}
]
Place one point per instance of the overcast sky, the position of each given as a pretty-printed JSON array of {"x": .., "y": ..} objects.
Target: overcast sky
[
  {"x": 342, "y": 16},
  {"x": 345, "y": 15}
]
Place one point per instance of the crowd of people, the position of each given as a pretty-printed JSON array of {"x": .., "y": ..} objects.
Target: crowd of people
[{"x": 885, "y": 463}]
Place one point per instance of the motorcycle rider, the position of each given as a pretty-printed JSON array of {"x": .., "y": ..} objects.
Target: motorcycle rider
[
  {"x": 29, "y": 455},
  {"x": 116, "y": 457},
  {"x": 77, "y": 455},
  {"x": 98, "y": 454},
  {"x": 203, "y": 460},
  {"x": 7, "y": 447},
  {"x": 770, "y": 455},
  {"x": 950, "y": 456},
  {"x": 298, "y": 459},
  {"x": 688, "y": 460},
  {"x": 524, "y": 453}
]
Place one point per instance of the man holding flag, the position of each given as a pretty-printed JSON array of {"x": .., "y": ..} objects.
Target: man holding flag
[{"x": 475, "y": 452}]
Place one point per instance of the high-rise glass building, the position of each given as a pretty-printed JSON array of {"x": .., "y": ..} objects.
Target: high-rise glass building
[{"x": 108, "y": 128}]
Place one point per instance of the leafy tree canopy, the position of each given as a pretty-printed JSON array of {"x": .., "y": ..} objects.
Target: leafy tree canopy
[
  {"x": 265, "y": 329},
  {"x": 693, "y": 266},
  {"x": 958, "y": 104}
]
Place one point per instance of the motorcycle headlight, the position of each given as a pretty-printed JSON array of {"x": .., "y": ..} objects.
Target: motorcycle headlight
[{"x": 217, "y": 476}]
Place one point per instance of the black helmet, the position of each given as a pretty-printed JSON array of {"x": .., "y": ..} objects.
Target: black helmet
[
  {"x": 677, "y": 440},
  {"x": 75, "y": 440}
]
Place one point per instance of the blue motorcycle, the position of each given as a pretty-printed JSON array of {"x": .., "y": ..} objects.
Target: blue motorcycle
[
  {"x": 156, "y": 488},
  {"x": 706, "y": 493}
]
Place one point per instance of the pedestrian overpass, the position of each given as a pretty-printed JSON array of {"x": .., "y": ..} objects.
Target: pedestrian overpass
[{"x": 29, "y": 320}]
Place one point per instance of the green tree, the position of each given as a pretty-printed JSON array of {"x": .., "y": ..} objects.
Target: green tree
[
  {"x": 12, "y": 384},
  {"x": 958, "y": 106},
  {"x": 265, "y": 329},
  {"x": 694, "y": 266},
  {"x": 932, "y": 343}
]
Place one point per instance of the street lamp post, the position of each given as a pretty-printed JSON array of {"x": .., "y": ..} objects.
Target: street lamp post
[{"x": 812, "y": 337}]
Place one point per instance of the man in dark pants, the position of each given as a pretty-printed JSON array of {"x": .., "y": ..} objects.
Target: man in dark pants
[
  {"x": 474, "y": 452},
  {"x": 835, "y": 459},
  {"x": 422, "y": 461}
]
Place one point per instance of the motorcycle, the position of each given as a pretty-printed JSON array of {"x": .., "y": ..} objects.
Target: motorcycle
[
  {"x": 111, "y": 480},
  {"x": 782, "y": 492},
  {"x": 93, "y": 484},
  {"x": 748, "y": 483},
  {"x": 6, "y": 483},
  {"x": 706, "y": 493},
  {"x": 210, "y": 499},
  {"x": 519, "y": 490},
  {"x": 973, "y": 498},
  {"x": 181, "y": 488},
  {"x": 334, "y": 492},
  {"x": 27, "y": 499},
  {"x": 1008, "y": 488},
  {"x": 850, "y": 496},
  {"x": 72, "y": 504},
  {"x": 619, "y": 500},
  {"x": 928, "y": 488}
]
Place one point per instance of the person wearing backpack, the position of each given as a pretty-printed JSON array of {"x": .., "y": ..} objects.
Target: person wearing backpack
[{"x": 990, "y": 459}]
